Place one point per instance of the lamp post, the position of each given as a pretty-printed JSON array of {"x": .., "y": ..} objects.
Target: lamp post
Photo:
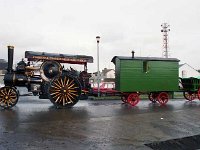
[{"x": 98, "y": 39}]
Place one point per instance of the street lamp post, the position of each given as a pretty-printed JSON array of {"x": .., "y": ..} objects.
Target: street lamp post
[{"x": 98, "y": 80}]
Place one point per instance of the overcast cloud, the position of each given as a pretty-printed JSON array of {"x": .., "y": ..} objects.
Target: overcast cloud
[{"x": 70, "y": 27}]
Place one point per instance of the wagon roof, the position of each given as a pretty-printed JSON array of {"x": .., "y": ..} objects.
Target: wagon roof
[
  {"x": 62, "y": 58},
  {"x": 144, "y": 58}
]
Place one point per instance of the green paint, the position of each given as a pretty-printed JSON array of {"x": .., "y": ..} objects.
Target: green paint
[
  {"x": 191, "y": 84},
  {"x": 146, "y": 75}
]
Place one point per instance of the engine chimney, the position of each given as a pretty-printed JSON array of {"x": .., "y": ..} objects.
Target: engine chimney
[
  {"x": 10, "y": 58},
  {"x": 133, "y": 54}
]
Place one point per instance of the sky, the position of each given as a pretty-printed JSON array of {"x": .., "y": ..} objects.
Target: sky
[{"x": 71, "y": 27}]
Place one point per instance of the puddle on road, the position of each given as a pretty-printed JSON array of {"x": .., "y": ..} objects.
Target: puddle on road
[{"x": 186, "y": 143}]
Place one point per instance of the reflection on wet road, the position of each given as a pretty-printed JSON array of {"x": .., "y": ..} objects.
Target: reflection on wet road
[{"x": 107, "y": 124}]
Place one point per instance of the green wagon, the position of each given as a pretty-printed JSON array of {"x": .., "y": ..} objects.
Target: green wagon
[
  {"x": 157, "y": 77},
  {"x": 191, "y": 87}
]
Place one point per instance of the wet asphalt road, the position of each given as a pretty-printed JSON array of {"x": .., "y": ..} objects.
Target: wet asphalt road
[{"x": 35, "y": 124}]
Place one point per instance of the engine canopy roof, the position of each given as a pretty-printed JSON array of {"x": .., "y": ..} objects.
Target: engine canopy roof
[{"x": 61, "y": 58}]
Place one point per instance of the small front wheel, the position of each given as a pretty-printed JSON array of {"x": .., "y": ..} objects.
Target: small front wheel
[{"x": 8, "y": 97}]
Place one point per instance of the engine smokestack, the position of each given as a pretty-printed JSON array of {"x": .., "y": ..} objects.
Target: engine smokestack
[
  {"x": 10, "y": 58},
  {"x": 133, "y": 54}
]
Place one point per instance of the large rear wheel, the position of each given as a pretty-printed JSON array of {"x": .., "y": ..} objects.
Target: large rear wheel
[
  {"x": 8, "y": 97},
  {"x": 64, "y": 91}
]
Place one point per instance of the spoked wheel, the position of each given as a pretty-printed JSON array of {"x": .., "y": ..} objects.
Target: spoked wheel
[
  {"x": 133, "y": 99},
  {"x": 65, "y": 91},
  {"x": 198, "y": 94},
  {"x": 8, "y": 97},
  {"x": 152, "y": 97},
  {"x": 163, "y": 98},
  {"x": 124, "y": 98},
  {"x": 189, "y": 95}
]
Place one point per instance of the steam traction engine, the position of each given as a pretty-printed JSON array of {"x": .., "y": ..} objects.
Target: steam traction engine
[{"x": 64, "y": 87}]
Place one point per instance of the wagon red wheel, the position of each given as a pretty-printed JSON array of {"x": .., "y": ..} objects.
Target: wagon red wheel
[
  {"x": 189, "y": 95},
  {"x": 133, "y": 99},
  {"x": 163, "y": 98},
  {"x": 64, "y": 91},
  {"x": 198, "y": 94},
  {"x": 8, "y": 97},
  {"x": 152, "y": 97}
]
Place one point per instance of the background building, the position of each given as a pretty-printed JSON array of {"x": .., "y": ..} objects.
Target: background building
[
  {"x": 106, "y": 75},
  {"x": 186, "y": 71}
]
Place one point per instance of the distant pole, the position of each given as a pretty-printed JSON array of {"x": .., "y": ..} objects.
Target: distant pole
[
  {"x": 98, "y": 76},
  {"x": 165, "y": 30}
]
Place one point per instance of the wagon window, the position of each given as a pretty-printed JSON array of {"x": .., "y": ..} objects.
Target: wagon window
[{"x": 145, "y": 66}]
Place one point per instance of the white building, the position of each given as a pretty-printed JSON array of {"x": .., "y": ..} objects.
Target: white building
[
  {"x": 186, "y": 71},
  {"x": 107, "y": 75}
]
